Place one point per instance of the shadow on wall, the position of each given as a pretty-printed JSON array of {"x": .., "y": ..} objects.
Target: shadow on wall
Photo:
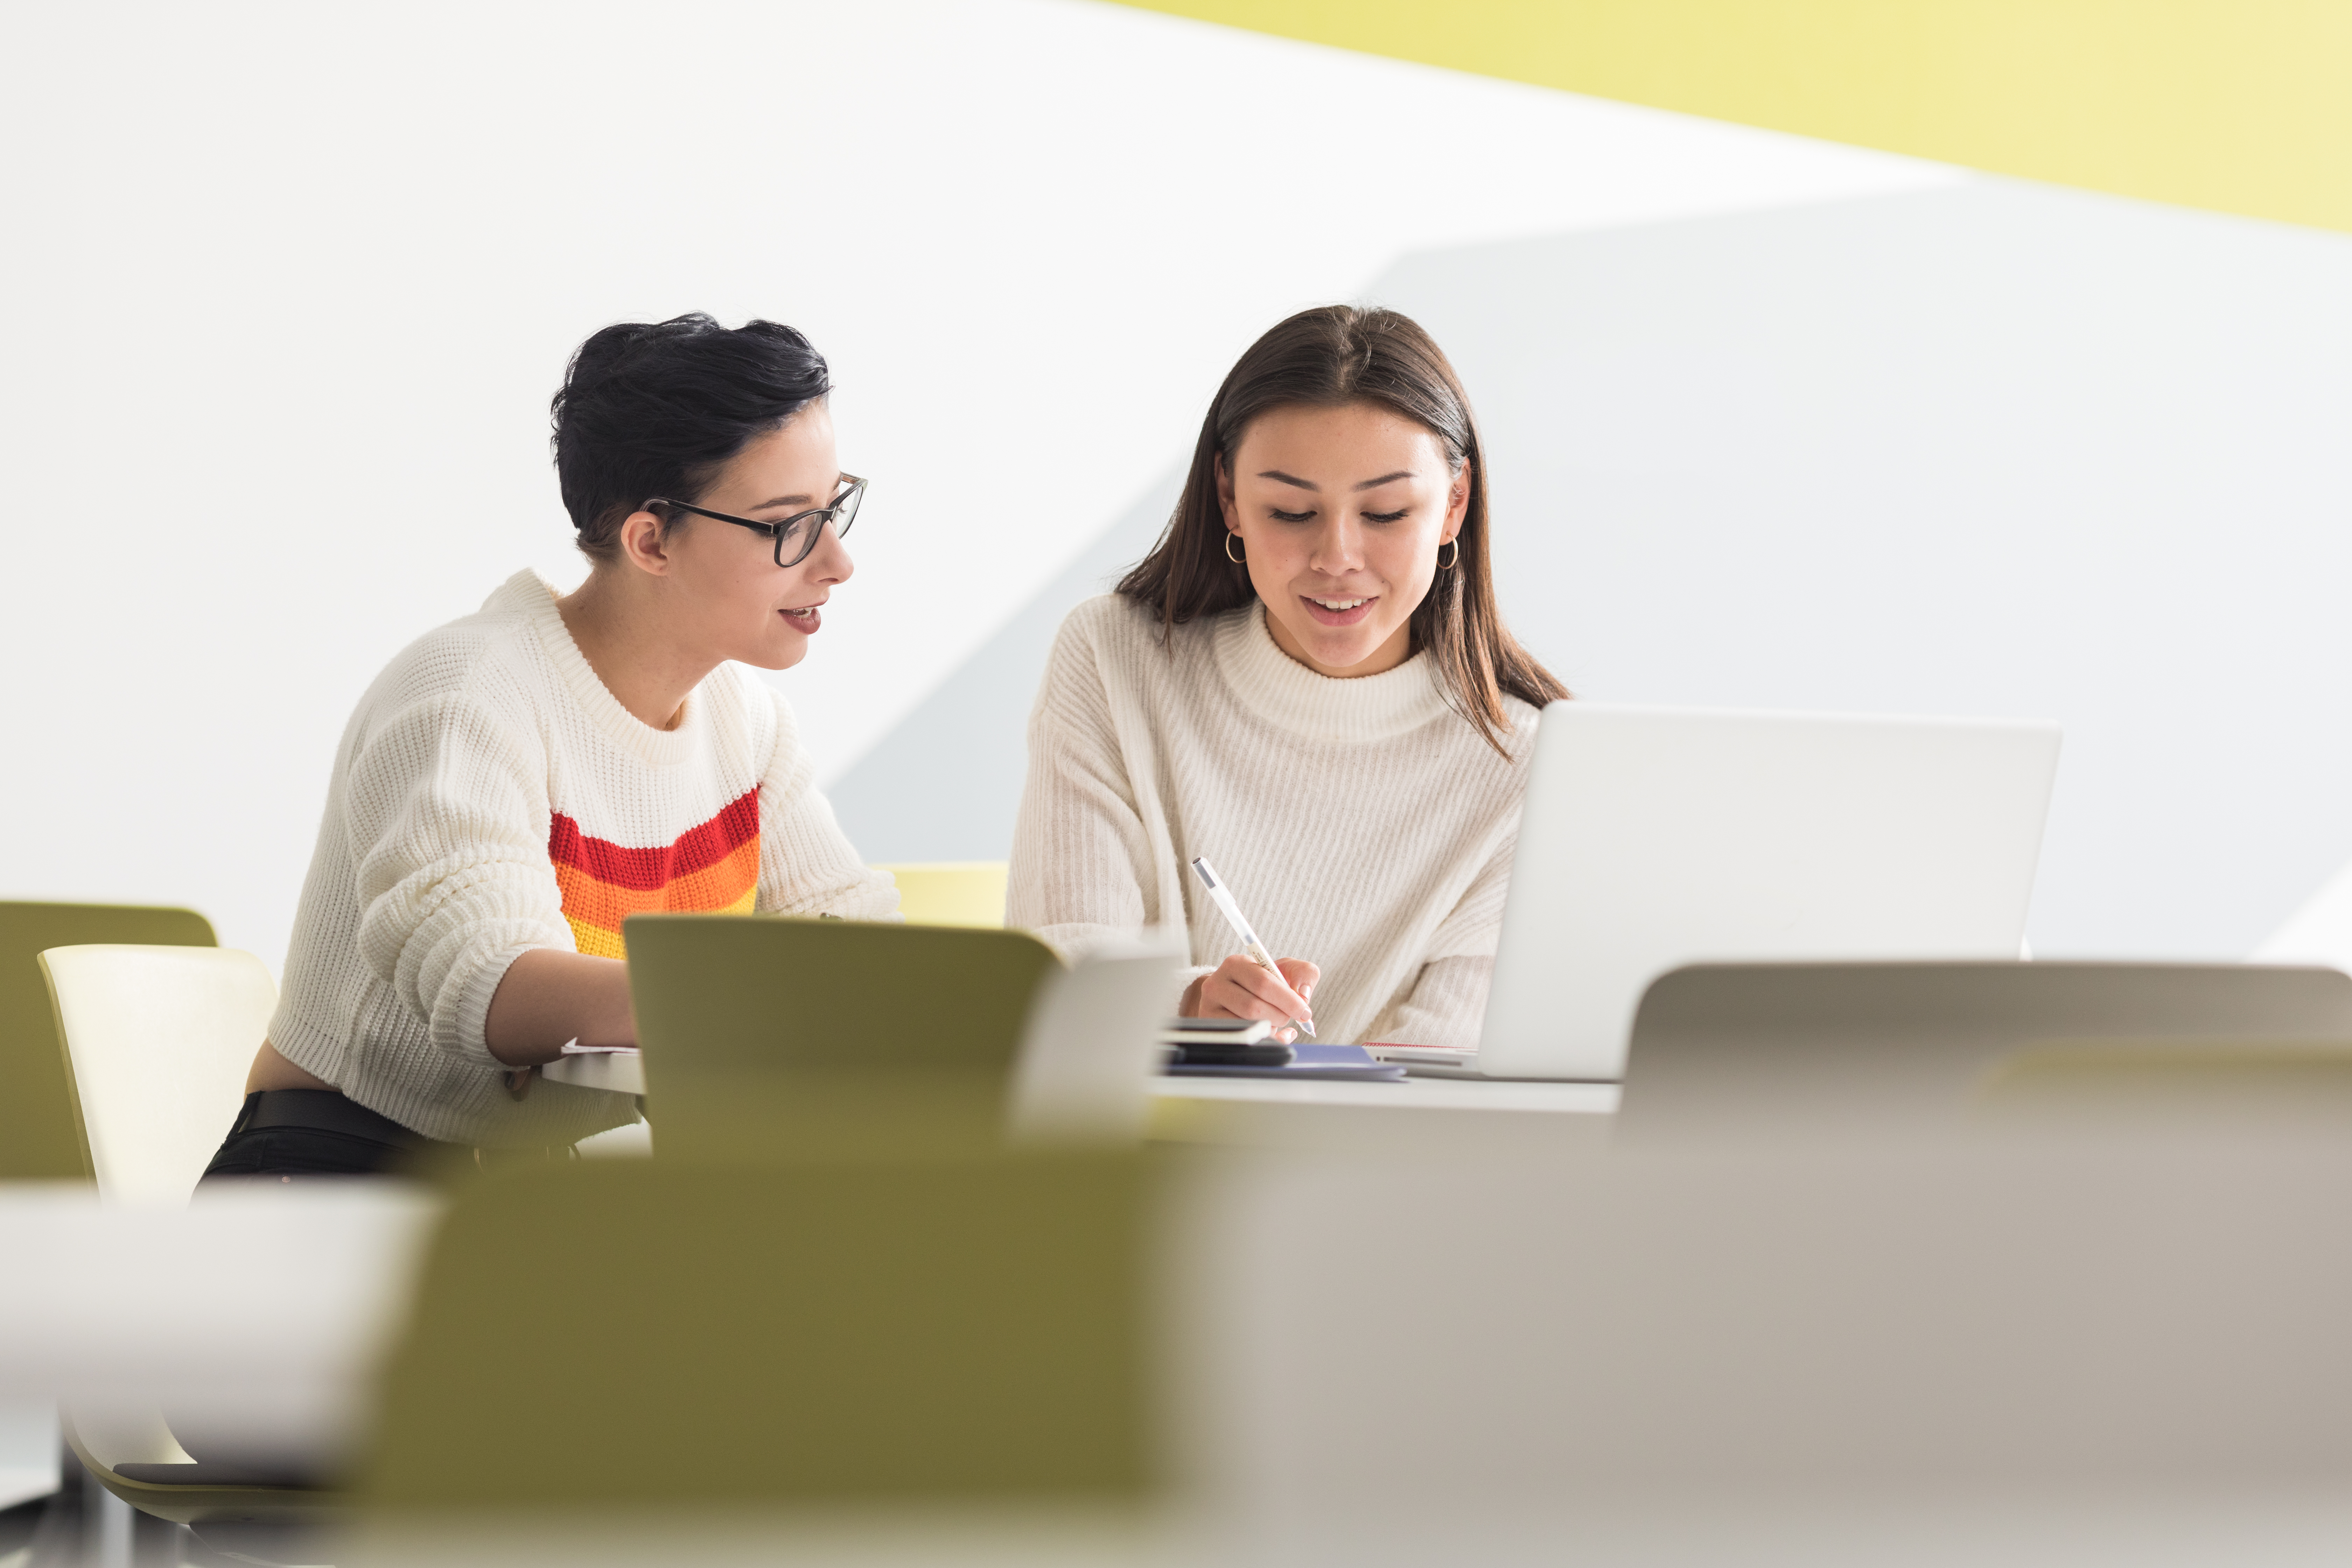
[
  {"x": 1997, "y": 450},
  {"x": 945, "y": 782}
]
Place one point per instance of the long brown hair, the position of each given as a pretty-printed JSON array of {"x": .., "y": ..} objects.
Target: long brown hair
[{"x": 1329, "y": 356}]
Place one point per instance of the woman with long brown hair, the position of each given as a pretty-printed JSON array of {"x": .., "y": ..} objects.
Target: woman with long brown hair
[{"x": 1307, "y": 682}]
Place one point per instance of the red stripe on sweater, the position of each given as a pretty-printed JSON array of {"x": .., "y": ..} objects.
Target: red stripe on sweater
[{"x": 699, "y": 847}]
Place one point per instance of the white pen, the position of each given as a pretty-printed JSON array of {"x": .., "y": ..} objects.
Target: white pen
[{"x": 1250, "y": 946}]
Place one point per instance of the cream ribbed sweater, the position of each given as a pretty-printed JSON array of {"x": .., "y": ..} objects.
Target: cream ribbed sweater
[
  {"x": 490, "y": 796},
  {"x": 1363, "y": 824}
]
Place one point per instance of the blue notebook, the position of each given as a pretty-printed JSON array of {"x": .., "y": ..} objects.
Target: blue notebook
[{"x": 1308, "y": 1060}]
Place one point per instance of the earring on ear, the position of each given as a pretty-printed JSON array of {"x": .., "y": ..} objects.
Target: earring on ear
[
  {"x": 1447, "y": 564},
  {"x": 1242, "y": 559}
]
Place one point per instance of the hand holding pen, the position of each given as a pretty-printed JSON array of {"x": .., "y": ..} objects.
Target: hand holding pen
[{"x": 1253, "y": 983}]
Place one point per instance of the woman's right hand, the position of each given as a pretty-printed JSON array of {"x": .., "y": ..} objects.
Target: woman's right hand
[{"x": 1241, "y": 988}]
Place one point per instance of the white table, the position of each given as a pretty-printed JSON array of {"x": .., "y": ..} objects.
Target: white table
[
  {"x": 1301, "y": 1113},
  {"x": 625, "y": 1073},
  {"x": 257, "y": 1313},
  {"x": 1673, "y": 1321},
  {"x": 1336, "y": 1116},
  {"x": 1414, "y": 1093}
]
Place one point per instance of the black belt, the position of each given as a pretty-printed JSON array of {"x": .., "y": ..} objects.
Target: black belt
[
  {"x": 332, "y": 1110},
  {"x": 326, "y": 1110}
]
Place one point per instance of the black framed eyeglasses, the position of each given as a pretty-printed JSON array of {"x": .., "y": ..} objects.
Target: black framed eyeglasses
[{"x": 796, "y": 535}]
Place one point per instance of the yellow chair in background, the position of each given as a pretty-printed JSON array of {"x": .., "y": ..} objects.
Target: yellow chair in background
[
  {"x": 40, "y": 1136},
  {"x": 950, "y": 892}
]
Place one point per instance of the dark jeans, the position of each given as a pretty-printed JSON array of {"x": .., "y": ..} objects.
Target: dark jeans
[{"x": 289, "y": 1132}]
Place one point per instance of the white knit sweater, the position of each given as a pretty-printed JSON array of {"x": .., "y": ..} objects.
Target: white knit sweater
[
  {"x": 490, "y": 796},
  {"x": 1363, "y": 824}
]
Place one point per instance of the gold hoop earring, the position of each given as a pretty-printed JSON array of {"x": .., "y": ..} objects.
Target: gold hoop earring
[
  {"x": 1447, "y": 564},
  {"x": 1236, "y": 560}
]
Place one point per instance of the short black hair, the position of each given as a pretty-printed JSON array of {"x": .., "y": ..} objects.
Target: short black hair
[{"x": 657, "y": 409}]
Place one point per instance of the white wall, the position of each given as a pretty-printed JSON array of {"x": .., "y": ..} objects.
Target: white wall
[
  {"x": 290, "y": 286},
  {"x": 2001, "y": 450},
  {"x": 1994, "y": 449}
]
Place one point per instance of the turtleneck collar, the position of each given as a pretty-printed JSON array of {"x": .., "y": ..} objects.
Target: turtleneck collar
[{"x": 1284, "y": 692}]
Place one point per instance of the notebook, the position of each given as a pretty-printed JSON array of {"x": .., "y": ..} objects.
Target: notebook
[{"x": 1351, "y": 1063}]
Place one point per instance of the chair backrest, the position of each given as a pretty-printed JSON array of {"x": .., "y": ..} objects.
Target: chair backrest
[
  {"x": 40, "y": 1138},
  {"x": 1891, "y": 1048},
  {"x": 767, "y": 1035},
  {"x": 950, "y": 892},
  {"x": 2248, "y": 1088},
  {"x": 1091, "y": 1049},
  {"x": 160, "y": 1039},
  {"x": 1718, "y": 1333},
  {"x": 884, "y": 1333}
]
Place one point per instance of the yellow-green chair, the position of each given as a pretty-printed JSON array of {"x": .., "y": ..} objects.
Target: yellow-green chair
[
  {"x": 950, "y": 892},
  {"x": 600, "y": 1341},
  {"x": 766, "y": 1035},
  {"x": 40, "y": 1136},
  {"x": 132, "y": 1453}
]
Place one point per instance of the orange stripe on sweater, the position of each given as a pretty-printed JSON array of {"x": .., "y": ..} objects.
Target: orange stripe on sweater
[
  {"x": 720, "y": 887},
  {"x": 595, "y": 909},
  {"x": 605, "y": 942}
]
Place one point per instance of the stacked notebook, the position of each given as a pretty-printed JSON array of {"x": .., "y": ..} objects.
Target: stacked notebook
[{"x": 1246, "y": 1047}]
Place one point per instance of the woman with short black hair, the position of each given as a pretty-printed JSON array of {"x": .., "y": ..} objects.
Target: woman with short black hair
[
  {"x": 1308, "y": 683},
  {"x": 517, "y": 783}
]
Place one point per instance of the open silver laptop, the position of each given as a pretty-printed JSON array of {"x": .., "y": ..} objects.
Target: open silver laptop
[{"x": 1653, "y": 838}]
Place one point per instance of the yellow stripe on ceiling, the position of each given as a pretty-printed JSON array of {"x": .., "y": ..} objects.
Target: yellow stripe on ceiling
[{"x": 2245, "y": 106}]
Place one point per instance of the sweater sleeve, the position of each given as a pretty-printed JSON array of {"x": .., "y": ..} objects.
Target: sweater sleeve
[
  {"x": 445, "y": 811},
  {"x": 1082, "y": 856},
  {"x": 1447, "y": 1005},
  {"x": 807, "y": 865}
]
